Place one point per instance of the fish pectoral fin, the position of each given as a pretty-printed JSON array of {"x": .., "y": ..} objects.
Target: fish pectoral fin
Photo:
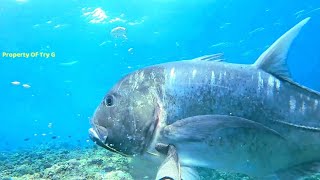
[
  {"x": 274, "y": 59},
  {"x": 200, "y": 128},
  {"x": 189, "y": 173},
  {"x": 297, "y": 172},
  {"x": 170, "y": 167}
]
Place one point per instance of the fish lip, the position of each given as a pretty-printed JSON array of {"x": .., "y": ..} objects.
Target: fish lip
[
  {"x": 93, "y": 134},
  {"x": 95, "y": 137}
]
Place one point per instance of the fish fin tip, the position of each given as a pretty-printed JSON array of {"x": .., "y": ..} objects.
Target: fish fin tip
[
  {"x": 188, "y": 173},
  {"x": 162, "y": 148},
  {"x": 274, "y": 59},
  {"x": 170, "y": 167}
]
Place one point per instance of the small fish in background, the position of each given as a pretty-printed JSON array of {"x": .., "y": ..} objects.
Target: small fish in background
[
  {"x": 119, "y": 32},
  {"x": 26, "y": 139},
  {"x": 259, "y": 29},
  {"x": 305, "y": 13},
  {"x": 130, "y": 50},
  {"x": 26, "y": 86},
  {"x": 54, "y": 137},
  {"x": 58, "y": 26},
  {"x": 103, "y": 43},
  {"x": 50, "y": 125},
  {"x": 15, "y": 83},
  {"x": 70, "y": 63},
  {"x": 225, "y": 25}
]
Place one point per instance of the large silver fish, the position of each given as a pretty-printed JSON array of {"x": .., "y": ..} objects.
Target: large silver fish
[{"x": 251, "y": 119}]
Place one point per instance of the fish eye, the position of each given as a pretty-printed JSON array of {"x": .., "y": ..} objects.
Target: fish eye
[{"x": 108, "y": 101}]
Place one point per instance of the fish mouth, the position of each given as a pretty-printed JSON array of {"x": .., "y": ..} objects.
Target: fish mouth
[{"x": 95, "y": 136}]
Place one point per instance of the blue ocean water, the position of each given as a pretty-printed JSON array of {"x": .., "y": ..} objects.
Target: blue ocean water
[{"x": 65, "y": 90}]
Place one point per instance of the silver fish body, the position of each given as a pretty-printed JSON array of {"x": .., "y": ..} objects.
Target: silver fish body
[{"x": 137, "y": 111}]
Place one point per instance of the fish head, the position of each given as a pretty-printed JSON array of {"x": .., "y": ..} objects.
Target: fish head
[{"x": 126, "y": 119}]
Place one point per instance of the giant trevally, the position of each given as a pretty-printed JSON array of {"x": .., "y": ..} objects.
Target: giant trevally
[{"x": 251, "y": 119}]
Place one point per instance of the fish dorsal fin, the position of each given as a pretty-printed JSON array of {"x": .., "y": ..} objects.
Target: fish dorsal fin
[
  {"x": 213, "y": 57},
  {"x": 274, "y": 59}
]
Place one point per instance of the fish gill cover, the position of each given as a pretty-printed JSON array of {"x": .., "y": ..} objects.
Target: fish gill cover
[{"x": 58, "y": 59}]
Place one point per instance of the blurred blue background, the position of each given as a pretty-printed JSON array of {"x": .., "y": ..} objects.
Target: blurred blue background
[{"x": 65, "y": 90}]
